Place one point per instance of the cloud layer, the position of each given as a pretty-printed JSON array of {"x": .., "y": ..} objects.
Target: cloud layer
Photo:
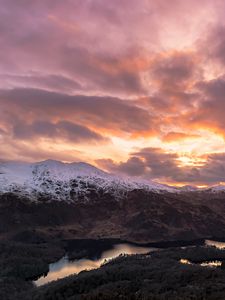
[
  {"x": 154, "y": 163},
  {"x": 136, "y": 87}
]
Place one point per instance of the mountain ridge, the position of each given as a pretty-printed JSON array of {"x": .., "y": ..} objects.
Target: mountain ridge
[
  {"x": 65, "y": 181},
  {"x": 78, "y": 200},
  {"x": 60, "y": 180}
]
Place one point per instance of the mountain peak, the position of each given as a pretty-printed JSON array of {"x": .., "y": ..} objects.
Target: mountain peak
[
  {"x": 50, "y": 162},
  {"x": 60, "y": 180}
]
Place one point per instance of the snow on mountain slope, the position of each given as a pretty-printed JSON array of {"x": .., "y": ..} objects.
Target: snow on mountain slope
[
  {"x": 67, "y": 181},
  {"x": 216, "y": 189}
]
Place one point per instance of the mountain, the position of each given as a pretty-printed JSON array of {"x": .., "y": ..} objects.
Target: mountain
[
  {"x": 67, "y": 181},
  {"x": 51, "y": 199},
  {"x": 47, "y": 205}
]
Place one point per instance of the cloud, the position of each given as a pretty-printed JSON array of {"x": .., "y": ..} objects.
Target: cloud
[
  {"x": 53, "y": 42},
  {"x": 103, "y": 72},
  {"x": 155, "y": 164},
  {"x": 214, "y": 43},
  {"x": 34, "y": 151},
  {"x": 71, "y": 132},
  {"x": 100, "y": 112},
  {"x": 133, "y": 167},
  {"x": 175, "y": 68},
  {"x": 120, "y": 74},
  {"x": 178, "y": 136},
  {"x": 50, "y": 82},
  {"x": 173, "y": 75},
  {"x": 148, "y": 162},
  {"x": 209, "y": 113},
  {"x": 49, "y": 38}
]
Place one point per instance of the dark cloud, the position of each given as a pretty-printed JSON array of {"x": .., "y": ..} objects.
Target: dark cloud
[
  {"x": 102, "y": 112},
  {"x": 158, "y": 163},
  {"x": 174, "y": 69},
  {"x": 133, "y": 167},
  {"x": 154, "y": 163},
  {"x": 60, "y": 130},
  {"x": 214, "y": 89},
  {"x": 148, "y": 162},
  {"x": 210, "y": 111},
  {"x": 214, "y": 44},
  {"x": 172, "y": 76}
]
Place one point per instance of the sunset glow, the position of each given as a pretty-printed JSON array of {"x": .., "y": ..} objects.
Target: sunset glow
[{"x": 133, "y": 87}]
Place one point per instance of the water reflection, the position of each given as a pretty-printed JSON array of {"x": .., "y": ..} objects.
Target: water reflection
[
  {"x": 219, "y": 245},
  {"x": 64, "y": 267},
  {"x": 212, "y": 264},
  {"x": 185, "y": 261}
]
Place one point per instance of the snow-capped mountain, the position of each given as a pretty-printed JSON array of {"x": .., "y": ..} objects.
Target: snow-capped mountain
[
  {"x": 78, "y": 200},
  {"x": 67, "y": 181}
]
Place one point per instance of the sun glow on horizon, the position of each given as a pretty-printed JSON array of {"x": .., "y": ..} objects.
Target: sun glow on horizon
[{"x": 126, "y": 101}]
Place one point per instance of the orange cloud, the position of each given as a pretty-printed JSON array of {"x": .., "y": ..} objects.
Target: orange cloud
[
  {"x": 178, "y": 136},
  {"x": 127, "y": 83}
]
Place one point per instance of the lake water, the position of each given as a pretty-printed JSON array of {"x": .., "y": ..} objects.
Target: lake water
[
  {"x": 219, "y": 245},
  {"x": 211, "y": 264},
  {"x": 64, "y": 267}
]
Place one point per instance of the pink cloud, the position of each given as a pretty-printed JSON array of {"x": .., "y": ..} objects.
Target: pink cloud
[{"x": 96, "y": 70}]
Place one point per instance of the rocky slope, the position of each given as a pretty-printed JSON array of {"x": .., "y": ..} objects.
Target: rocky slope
[{"x": 141, "y": 216}]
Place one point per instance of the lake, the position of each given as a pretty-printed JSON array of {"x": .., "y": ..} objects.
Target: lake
[
  {"x": 65, "y": 267},
  {"x": 219, "y": 245}
]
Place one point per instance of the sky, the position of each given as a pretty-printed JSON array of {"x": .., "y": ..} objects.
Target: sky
[{"x": 132, "y": 87}]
